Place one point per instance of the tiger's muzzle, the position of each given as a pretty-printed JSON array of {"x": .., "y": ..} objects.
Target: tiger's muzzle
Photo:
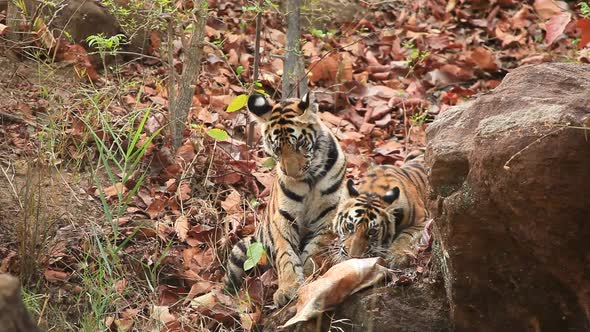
[{"x": 292, "y": 163}]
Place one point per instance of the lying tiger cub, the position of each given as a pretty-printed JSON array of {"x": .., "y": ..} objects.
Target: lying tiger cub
[{"x": 385, "y": 217}]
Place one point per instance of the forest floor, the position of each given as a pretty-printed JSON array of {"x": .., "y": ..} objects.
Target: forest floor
[{"x": 111, "y": 229}]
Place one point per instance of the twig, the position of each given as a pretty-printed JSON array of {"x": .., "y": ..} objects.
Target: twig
[
  {"x": 172, "y": 74},
  {"x": 506, "y": 165},
  {"x": 250, "y": 124},
  {"x": 43, "y": 309},
  {"x": 20, "y": 203}
]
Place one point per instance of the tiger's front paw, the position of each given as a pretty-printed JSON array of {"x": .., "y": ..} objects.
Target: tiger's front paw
[
  {"x": 285, "y": 294},
  {"x": 399, "y": 260}
]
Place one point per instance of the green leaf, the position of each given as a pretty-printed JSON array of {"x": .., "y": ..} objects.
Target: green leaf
[
  {"x": 238, "y": 102},
  {"x": 254, "y": 253},
  {"x": 269, "y": 163},
  {"x": 249, "y": 264},
  {"x": 239, "y": 70},
  {"x": 218, "y": 134},
  {"x": 254, "y": 202}
]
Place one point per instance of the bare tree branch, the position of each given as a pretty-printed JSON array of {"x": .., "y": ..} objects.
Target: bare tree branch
[
  {"x": 294, "y": 82},
  {"x": 193, "y": 50}
]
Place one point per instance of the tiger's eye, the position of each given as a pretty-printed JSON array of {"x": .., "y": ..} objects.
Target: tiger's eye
[
  {"x": 372, "y": 231},
  {"x": 350, "y": 226}
]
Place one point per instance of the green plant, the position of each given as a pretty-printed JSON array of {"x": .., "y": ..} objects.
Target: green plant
[
  {"x": 105, "y": 45},
  {"x": 418, "y": 119},
  {"x": 116, "y": 158},
  {"x": 415, "y": 57},
  {"x": 415, "y": 54},
  {"x": 584, "y": 9}
]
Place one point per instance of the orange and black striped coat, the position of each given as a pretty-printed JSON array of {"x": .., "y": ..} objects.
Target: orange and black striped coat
[
  {"x": 386, "y": 215},
  {"x": 296, "y": 226}
]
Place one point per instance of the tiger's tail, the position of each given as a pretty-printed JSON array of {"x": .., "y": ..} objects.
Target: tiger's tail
[{"x": 234, "y": 276}]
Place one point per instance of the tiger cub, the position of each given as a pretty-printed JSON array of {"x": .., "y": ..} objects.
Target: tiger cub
[
  {"x": 296, "y": 225},
  {"x": 386, "y": 215}
]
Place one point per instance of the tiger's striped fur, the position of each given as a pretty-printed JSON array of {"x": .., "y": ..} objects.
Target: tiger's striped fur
[
  {"x": 296, "y": 225},
  {"x": 386, "y": 215}
]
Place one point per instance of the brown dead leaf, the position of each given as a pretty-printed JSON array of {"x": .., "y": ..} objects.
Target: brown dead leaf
[
  {"x": 184, "y": 191},
  {"x": 216, "y": 304},
  {"x": 556, "y": 25},
  {"x": 584, "y": 25},
  {"x": 549, "y": 8},
  {"x": 198, "y": 288},
  {"x": 336, "y": 67},
  {"x": 156, "y": 209},
  {"x": 120, "y": 285},
  {"x": 182, "y": 226},
  {"x": 55, "y": 276},
  {"x": 200, "y": 234},
  {"x": 162, "y": 314},
  {"x": 4, "y": 29},
  {"x": 389, "y": 147},
  {"x": 112, "y": 190},
  {"x": 232, "y": 202},
  {"x": 266, "y": 178},
  {"x": 483, "y": 58},
  {"x": 124, "y": 325},
  {"x": 382, "y": 91}
]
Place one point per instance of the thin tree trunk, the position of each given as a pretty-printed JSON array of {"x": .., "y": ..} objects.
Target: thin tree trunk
[
  {"x": 14, "y": 20},
  {"x": 14, "y": 317},
  {"x": 193, "y": 50},
  {"x": 294, "y": 80}
]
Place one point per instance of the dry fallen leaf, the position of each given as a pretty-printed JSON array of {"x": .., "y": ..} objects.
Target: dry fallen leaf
[
  {"x": 584, "y": 25},
  {"x": 334, "y": 286},
  {"x": 556, "y": 25},
  {"x": 113, "y": 190},
  {"x": 162, "y": 314},
  {"x": 55, "y": 276},
  {"x": 182, "y": 226},
  {"x": 232, "y": 202},
  {"x": 549, "y": 8},
  {"x": 198, "y": 288}
]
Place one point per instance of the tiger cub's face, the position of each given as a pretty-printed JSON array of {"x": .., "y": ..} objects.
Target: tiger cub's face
[
  {"x": 289, "y": 132},
  {"x": 363, "y": 223}
]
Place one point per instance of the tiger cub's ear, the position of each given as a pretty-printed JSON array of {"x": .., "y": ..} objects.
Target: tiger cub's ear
[
  {"x": 352, "y": 192},
  {"x": 391, "y": 195},
  {"x": 258, "y": 105},
  {"x": 304, "y": 103},
  {"x": 308, "y": 107}
]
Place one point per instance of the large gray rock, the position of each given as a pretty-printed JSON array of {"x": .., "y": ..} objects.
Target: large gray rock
[{"x": 510, "y": 179}]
